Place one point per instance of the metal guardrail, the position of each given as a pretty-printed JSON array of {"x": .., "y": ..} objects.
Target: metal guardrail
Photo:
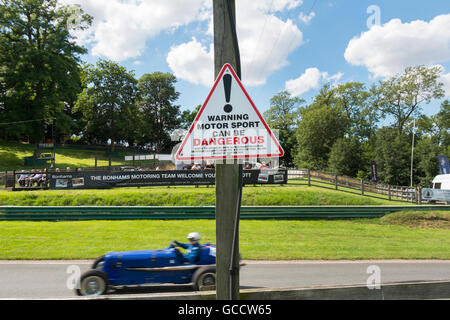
[{"x": 9, "y": 213}]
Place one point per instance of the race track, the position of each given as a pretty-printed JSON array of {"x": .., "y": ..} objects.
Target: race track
[{"x": 48, "y": 279}]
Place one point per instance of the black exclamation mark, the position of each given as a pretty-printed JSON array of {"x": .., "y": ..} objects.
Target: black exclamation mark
[{"x": 227, "y": 81}]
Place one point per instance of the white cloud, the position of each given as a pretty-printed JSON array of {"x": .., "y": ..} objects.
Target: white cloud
[
  {"x": 122, "y": 27},
  {"x": 265, "y": 42},
  {"x": 445, "y": 79},
  {"x": 192, "y": 62},
  {"x": 306, "y": 18},
  {"x": 312, "y": 78},
  {"x": 388, "y": 49}
]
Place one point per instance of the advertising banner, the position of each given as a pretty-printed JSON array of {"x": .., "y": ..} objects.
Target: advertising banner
[
  {"x": 120, "y": 179},
  {"x": 436, "y": 195}
]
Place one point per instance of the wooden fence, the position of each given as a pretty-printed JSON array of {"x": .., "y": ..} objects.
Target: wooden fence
[{"x": 317, "y": 178}]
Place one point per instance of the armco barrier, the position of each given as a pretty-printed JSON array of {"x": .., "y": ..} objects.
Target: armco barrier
[{"x": 10, "y": 213}]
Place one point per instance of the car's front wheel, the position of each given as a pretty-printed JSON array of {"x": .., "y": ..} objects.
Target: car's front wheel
[
  {"x": 204, "y": 279},
  {"x": 93, "y": 283}
]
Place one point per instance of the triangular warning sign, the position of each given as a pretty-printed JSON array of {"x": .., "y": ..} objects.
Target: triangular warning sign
[{"x": 229, "y": 126}]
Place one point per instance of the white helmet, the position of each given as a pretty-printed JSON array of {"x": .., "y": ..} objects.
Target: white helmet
[{"x": 194, "y": 236}]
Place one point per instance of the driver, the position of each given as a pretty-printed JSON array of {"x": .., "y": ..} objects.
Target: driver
[{"x": 193, "y": 248}]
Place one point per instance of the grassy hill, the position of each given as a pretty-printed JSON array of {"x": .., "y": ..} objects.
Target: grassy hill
[{"x": 12, "y": 154}]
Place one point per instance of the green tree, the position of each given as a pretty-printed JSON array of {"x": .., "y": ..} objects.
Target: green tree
[
  {"x": 353, "y": 99},
  {"x": 39, "y": 59},
  {"x": 393, "y": 156},
  {"x": 159, "y": 113},
  {"x": 187, "y": 117},
  {"x": 283, "y": 116},
  {"x": 427, "y": 166},
  {"x": 401, "y": 96},
  {"x": 321, "y": 126},
  {"x": 345, "y": 157},
  {"x": 433, "y": 140},
  {"x": 108, "y": 103}
]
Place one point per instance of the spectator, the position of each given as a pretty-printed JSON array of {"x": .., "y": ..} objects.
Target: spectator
[
  {"x": 248, "y": 166},
  {"x": 22, "y": 179},
  {"x": 196, "y": 166},
  {"x": 43, "y": 181},
  {"x": 37, "y": 178},
  {"x": 57, "y": 170},
  {"x": 68, "y": 169},
  {"x": 29, "y": 179}
]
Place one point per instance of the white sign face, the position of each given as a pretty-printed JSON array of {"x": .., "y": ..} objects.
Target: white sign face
[
  {"x": 436, "y": 194},
  {"x": 229, "y": 126}
]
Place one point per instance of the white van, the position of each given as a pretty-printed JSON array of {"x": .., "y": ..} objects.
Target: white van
[{"x": 442, "y": 182}]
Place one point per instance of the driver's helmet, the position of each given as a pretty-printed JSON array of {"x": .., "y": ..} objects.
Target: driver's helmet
[{"x": 194, "y": 237}]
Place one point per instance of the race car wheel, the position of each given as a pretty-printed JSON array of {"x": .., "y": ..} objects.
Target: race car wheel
[
  {"x": 93, "y": 283},
  {"x": 204, "y": 279}
]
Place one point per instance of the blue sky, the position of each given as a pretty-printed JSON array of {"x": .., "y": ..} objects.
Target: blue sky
[{"x": 286, "y": 44}]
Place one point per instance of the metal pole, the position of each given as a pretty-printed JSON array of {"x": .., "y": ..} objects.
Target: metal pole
[{"x": 412, "y": 151}]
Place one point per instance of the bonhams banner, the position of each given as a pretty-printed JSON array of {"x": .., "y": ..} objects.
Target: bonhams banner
[{"x": 108, "y": 180}]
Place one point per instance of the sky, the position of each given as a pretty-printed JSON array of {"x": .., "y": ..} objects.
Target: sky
[{"x": 294, "y": 45}]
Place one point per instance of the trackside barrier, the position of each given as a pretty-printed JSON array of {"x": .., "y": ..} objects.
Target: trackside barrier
[
  {"x": 9, "y": 213},
  {"x": 420, "y": 290}
]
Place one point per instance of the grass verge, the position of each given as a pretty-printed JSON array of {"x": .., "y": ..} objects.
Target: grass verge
[
  {"x": 188, "y": 196},
  {"x": 259, "y": 240},
  {"x": 419, "y": 219}
]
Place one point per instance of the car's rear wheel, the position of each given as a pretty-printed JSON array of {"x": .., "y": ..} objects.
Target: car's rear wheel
[
  {"x": 93, "y": 283},
  {"x": 204, "y": 279}
]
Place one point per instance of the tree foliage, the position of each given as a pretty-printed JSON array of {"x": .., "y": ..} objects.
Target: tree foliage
[
  {"x": 402, "y": 96},
  {"x": 283, "y": 115},
  {"x": 108, "y": 103},
  {"x": 39, "y": 59},
  {"x": 157, "y": 106}
]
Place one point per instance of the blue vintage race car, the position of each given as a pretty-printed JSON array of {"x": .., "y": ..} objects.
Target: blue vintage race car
[{"x": 133, "y": 268}]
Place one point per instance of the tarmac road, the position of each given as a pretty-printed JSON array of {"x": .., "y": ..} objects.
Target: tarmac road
[{"x": 48, "y": 279}]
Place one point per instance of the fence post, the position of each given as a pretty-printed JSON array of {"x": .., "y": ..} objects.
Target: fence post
[
  {"x": 419, "y": 196},
  {"x": 389, "y": 192},
  {"x": 336, "y": 181},
  {"x": 309, "y": 178},
  {"x": 362, "y": 187}
]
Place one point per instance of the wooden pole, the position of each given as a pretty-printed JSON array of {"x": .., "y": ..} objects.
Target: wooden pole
[{"x": 227, "y": 175}]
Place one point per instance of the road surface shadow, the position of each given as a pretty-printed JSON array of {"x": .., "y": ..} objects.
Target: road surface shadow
[{"x": 159, "y": 289}]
